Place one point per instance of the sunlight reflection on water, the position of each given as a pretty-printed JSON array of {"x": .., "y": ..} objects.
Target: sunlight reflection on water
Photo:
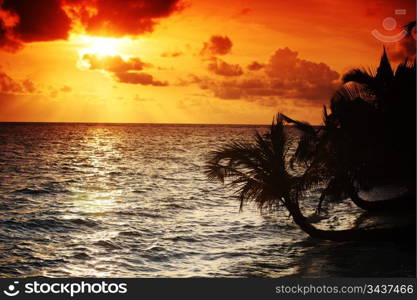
[{"x": 132, "y": 201}]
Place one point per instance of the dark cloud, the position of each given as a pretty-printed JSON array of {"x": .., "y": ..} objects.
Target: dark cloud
[
  {"x": 285, "y": 76},
  {"x": 8, "y": 85},
  {"x": 229, "y": 93},
  {"x": 23, "y": 21},
  {"x": 254, "y": 66},
  {"x": 119, "y": 18},
  {"x": 8, "y": 41},
  {"x": 405, "y": 48},
  {"x": 220, "y": 67},
  {"x": 139, "y": 78},
  {"x": 252, "y": 83},
  {"x": 126, "y": 71},
  {"x": 217, "y": 45},
  {"x": 285, "y": 66},
  {"x": 248, "y": 89}
]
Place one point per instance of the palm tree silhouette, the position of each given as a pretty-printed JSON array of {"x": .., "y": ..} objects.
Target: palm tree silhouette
[
  {"x": 258, "y": 172},
  {"x": 372, "y": 109},
  {"x": 358, "y": 147}
]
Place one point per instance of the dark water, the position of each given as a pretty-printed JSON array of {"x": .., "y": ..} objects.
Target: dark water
[{"x": 132, "y": 201}]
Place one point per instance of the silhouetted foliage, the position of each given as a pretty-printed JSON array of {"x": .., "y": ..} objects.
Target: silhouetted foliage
[{"x": 358, "y": 147}]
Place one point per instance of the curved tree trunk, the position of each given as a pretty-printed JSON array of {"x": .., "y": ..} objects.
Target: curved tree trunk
[
  {"x": 398, "y": 203},
  {"x": 388, "y": 234}
]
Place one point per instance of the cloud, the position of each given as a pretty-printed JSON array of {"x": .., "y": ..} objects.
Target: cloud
[
  {"x": 49, "y": 20},
  {"x": 405, "y": 48},
  {"x": 139, "y": 78},
  {"x": 22, "y": 22},
  {"x": 229, "y": 93},
  {"x": 114, "y": 64},
  {"x": 284, "y": 76},
  {"x": 220, "y": 67},
  {"x": 8, "y": 85},
  {"x": 8, "y": 41},
  {"x": 285, "y": 66},
  {"x": 120, "y": 18},
  {"x": 29, "y": 86},
  {"x": 245, "y": 11},
  {"x": 217, "y": 45},
  {"x": 126, "y": 71},
  {"x": 254, "y": 66},
  {"x": 66, "y": 89},
  {"x": 172, "y": 54}
]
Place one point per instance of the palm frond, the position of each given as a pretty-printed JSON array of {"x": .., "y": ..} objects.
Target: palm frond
[
  {"x": 256, "y": 170},
  {"x": 362, "y": 76},
  {"x": 305, "y": 150},
  {"x": 347, "y": 95},
  {"x": 384, "y": 72},
  {"x": 325, "y": 115},
  {"x": 405, "y": 69},
  {"x": 302, "y": 126}
]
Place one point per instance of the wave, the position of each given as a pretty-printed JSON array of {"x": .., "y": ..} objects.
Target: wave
[{"x": 107, "y": 245}]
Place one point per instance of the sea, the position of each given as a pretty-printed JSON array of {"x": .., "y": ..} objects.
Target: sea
[{"x": 132, "y": 200}]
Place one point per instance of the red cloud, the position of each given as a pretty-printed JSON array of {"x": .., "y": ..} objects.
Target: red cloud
[
  {"x": 220, "y": 67},
  {"x": 217, "y": 45},
  {"x": 119, "y": 18},
  {"x": 126, "y": 71},
  {"x": 43, "y": 21},
  {"x": 285, "y": 66},
  {"x": 114, "y": 64},
  {"x": 24, "y": 21},
  {"x": 254, "y": 66},
  {"x": 285, "y": 76},
  {"x": 139, "y": 78},
  {"x": 403, "y": 49},
  {"x": 9, "y": 85}
]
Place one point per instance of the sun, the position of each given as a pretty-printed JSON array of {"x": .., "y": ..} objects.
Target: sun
[{"x": 103, "y": 46}]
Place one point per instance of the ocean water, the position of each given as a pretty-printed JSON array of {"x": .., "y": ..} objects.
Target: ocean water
[{"x": 113, "y": 200}]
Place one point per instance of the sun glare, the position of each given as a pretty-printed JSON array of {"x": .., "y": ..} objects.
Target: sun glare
[
  {"x": 100, "y": 45},
  {"x": 103, "y": 46}
]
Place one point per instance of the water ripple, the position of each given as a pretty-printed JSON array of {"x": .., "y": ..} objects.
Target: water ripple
[{"x": 131, "y": 201}]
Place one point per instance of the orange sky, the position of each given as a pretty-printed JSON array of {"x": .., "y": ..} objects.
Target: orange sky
[{"x": 185, "y": 62}]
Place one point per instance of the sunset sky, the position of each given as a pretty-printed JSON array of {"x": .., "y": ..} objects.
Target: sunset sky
[{"x": 186, "y": 61}]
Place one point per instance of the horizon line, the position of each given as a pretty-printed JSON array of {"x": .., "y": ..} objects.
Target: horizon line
[
  {"x": 139, "y": 123},
  {"x": 127, "y": 123}
]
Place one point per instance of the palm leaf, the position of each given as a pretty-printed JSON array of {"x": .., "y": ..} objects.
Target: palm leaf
[{"x": 255, "y": 170}]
